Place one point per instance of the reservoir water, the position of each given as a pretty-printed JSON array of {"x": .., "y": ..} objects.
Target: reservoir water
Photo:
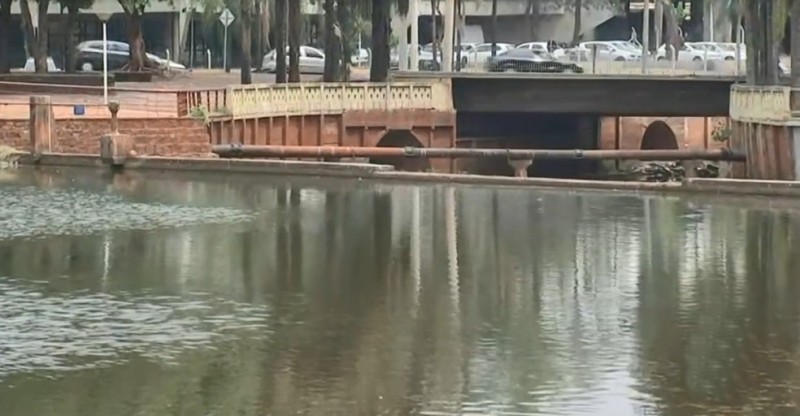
[{"x": 173, "y": 294}]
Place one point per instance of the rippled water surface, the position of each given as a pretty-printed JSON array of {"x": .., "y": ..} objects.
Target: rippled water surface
[{"x": 168, "y": 294}]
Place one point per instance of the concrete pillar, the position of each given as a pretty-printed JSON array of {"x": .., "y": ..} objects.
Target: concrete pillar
[
  {"x": 413, "y": 16},
  {"x": 400, "y": 29},
  {"x": 42, "y": 124},
  {"x": 449, "y": 32},
  {"x": 115, "y": 147}
]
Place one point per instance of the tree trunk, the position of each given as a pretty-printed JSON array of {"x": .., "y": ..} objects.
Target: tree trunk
[
  {"x": 795, "y": 43},
  {"x": 493, "y": 32},
  {"x": 434, "y": 32},
  {"x": 246, "y": 41},
  {"x": 346, "y": 29},
  {"x": 762, "y": 62},
  {"x": 36, "y": 39},
  {"x": 136, "y": 59},
  {"x": 5, "y": 25},
  {"x": 379, "y": 69},
  {"x": 333, "y": 42},
  {"x": 533, "y": 13},
  {"x": 295, "y": 32},
  {"x": 576, "y": 27},
  {"x": 673, "y": 31},
  {"x": 71, "y": 56},
  {"x": 281, "y": 21},
  {"x": 258, "y": 33}
]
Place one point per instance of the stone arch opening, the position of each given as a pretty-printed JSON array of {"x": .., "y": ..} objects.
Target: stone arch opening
[
  {"x": 659, "y": 136},
  {"x": 401, "y": 138}
]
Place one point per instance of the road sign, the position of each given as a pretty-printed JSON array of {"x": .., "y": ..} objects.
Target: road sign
[{"x": 226, "y": 17}]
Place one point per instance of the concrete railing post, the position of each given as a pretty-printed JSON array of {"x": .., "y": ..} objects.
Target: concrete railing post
[
  {"x": 42, "y": 124},
  {"x": 113, "y": 107},
  {"x": 115, "y": 147}
]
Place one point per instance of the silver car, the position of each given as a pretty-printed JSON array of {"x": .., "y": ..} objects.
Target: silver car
[{"x": 312, "y": 61}]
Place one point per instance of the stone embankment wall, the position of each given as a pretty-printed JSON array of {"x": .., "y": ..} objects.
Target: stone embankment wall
[
  {"x": 152, "y": 137},
  {"x": 689, "y": 132}
]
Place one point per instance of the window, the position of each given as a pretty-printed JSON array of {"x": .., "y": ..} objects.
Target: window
[
  {"x": 311, "y": 53},
  {"x": 483, "y": 48}
]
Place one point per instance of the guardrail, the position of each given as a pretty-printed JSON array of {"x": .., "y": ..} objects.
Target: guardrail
[
  {"x": 761, "y": 104},
  {"x": 263, "y": 100}
]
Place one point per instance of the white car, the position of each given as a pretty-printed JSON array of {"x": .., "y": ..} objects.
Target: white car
[
  {"x": 541, "y": 47},
  {"x": 483, "y": 51},
  {"x": 30, "y": 66},
  {"x": 725, "y": 54},
  {"x": 693, "y": 53},
  {"x": 312, "y": 61},
  {"x": 731, "y": 48},
  {"x": 610, "y": 51}
]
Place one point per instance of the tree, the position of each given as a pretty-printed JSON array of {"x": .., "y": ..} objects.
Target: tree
[
  {"x": 295, "y": 31},
  {"x": 334, "y": 42},
  {"x": 674, "y": 36},
  {"x": 134, "y": 9},
  {"x": 73, "y": 8},
  {"x": 246, "y": 18},
  {"x": 36, "y": 38},
  {"x": 5, "y": 25},
  {"x": 576, "y": 27},
  {"x": 494, "y": 28},
  {"x": 379, "y": 70},
  {"x": 795, "y": 43},
  {"x": 280, "y": 40}
]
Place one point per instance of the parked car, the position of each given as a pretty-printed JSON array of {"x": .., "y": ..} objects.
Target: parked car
[
  {"x": 312, "y": 61},
  {"x": 30, "y": 66},
  {"x": 425, "y": 59},
  {"x": 526, "y": 60},
  {"x": 607, "y": 51},
  {"x": 542, "y": 47},
  {"x": 90, "y": 57},
  {"x": 690, "y": 52},
  {"x": 716, "y": 50},
  {"x": 360, "y": 57},
  {"x": 483, "y": 51}
]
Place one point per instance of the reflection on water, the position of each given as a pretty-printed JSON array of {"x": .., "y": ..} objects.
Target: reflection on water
[{"x": 245, "y": 296}]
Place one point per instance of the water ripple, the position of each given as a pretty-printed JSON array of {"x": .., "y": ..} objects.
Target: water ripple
[
  {"x": 34, "y": 212},
  {"x": 51, "y": 333}
]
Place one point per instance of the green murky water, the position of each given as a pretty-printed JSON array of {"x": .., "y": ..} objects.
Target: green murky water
[{"x": 168, "y": 294}]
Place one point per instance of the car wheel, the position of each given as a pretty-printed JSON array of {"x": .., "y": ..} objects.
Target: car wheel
[
  {"x": 87, "y": 66},
  {"x": 697, "y": 59},
  {"x": 620, "y": 59},
  {"x": 661, "y": 58},
  {"x": 730, "y": 58}
]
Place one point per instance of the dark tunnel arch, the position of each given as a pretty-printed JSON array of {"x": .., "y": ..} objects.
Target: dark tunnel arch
[
  {"x": 401, "y": 138},
  {"x": 659, "y": 136}
]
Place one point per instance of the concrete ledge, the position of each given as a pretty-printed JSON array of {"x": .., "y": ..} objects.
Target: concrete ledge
[
  {"x": 729, "y": 187},
  {"x": 743, "y": 187},
  {"x": 275, "y": 167}
]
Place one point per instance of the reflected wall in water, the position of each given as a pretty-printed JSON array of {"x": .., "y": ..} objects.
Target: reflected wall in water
[{"x": 373, "y": 299}]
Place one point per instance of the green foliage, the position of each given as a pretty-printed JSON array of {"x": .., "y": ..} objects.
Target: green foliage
[
  {"x": 134, "y": 6},
  {"x": 721, "y": 132},
  {"x": 76, "y": 4}
]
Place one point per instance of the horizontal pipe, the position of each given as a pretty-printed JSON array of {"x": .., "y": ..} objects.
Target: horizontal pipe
[{"x": 253, "y": 151}]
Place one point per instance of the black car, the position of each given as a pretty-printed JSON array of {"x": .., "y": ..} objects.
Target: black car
[{"x": 526, "y": 60}]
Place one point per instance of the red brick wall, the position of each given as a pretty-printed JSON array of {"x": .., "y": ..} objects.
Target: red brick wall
[
  {"x": 152, "y": 137},
  {"x": 690, "y": 132}
]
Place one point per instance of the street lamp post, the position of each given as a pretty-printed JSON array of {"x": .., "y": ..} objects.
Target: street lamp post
[{"x": 104, "y": 17}]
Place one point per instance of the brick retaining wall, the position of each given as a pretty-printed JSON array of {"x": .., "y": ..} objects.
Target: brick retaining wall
[{"x": 152, "y": 137}]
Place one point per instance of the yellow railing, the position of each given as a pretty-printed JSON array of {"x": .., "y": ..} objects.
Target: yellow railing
[
  {"x": 761, "y": 104},
  {"x": 263, "y": 100}
]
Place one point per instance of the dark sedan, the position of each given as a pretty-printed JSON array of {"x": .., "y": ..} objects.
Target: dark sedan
[{"x": 526, "y": 60}]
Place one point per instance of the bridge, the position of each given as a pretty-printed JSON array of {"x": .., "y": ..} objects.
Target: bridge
[{"x": 600, "y": 95}]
